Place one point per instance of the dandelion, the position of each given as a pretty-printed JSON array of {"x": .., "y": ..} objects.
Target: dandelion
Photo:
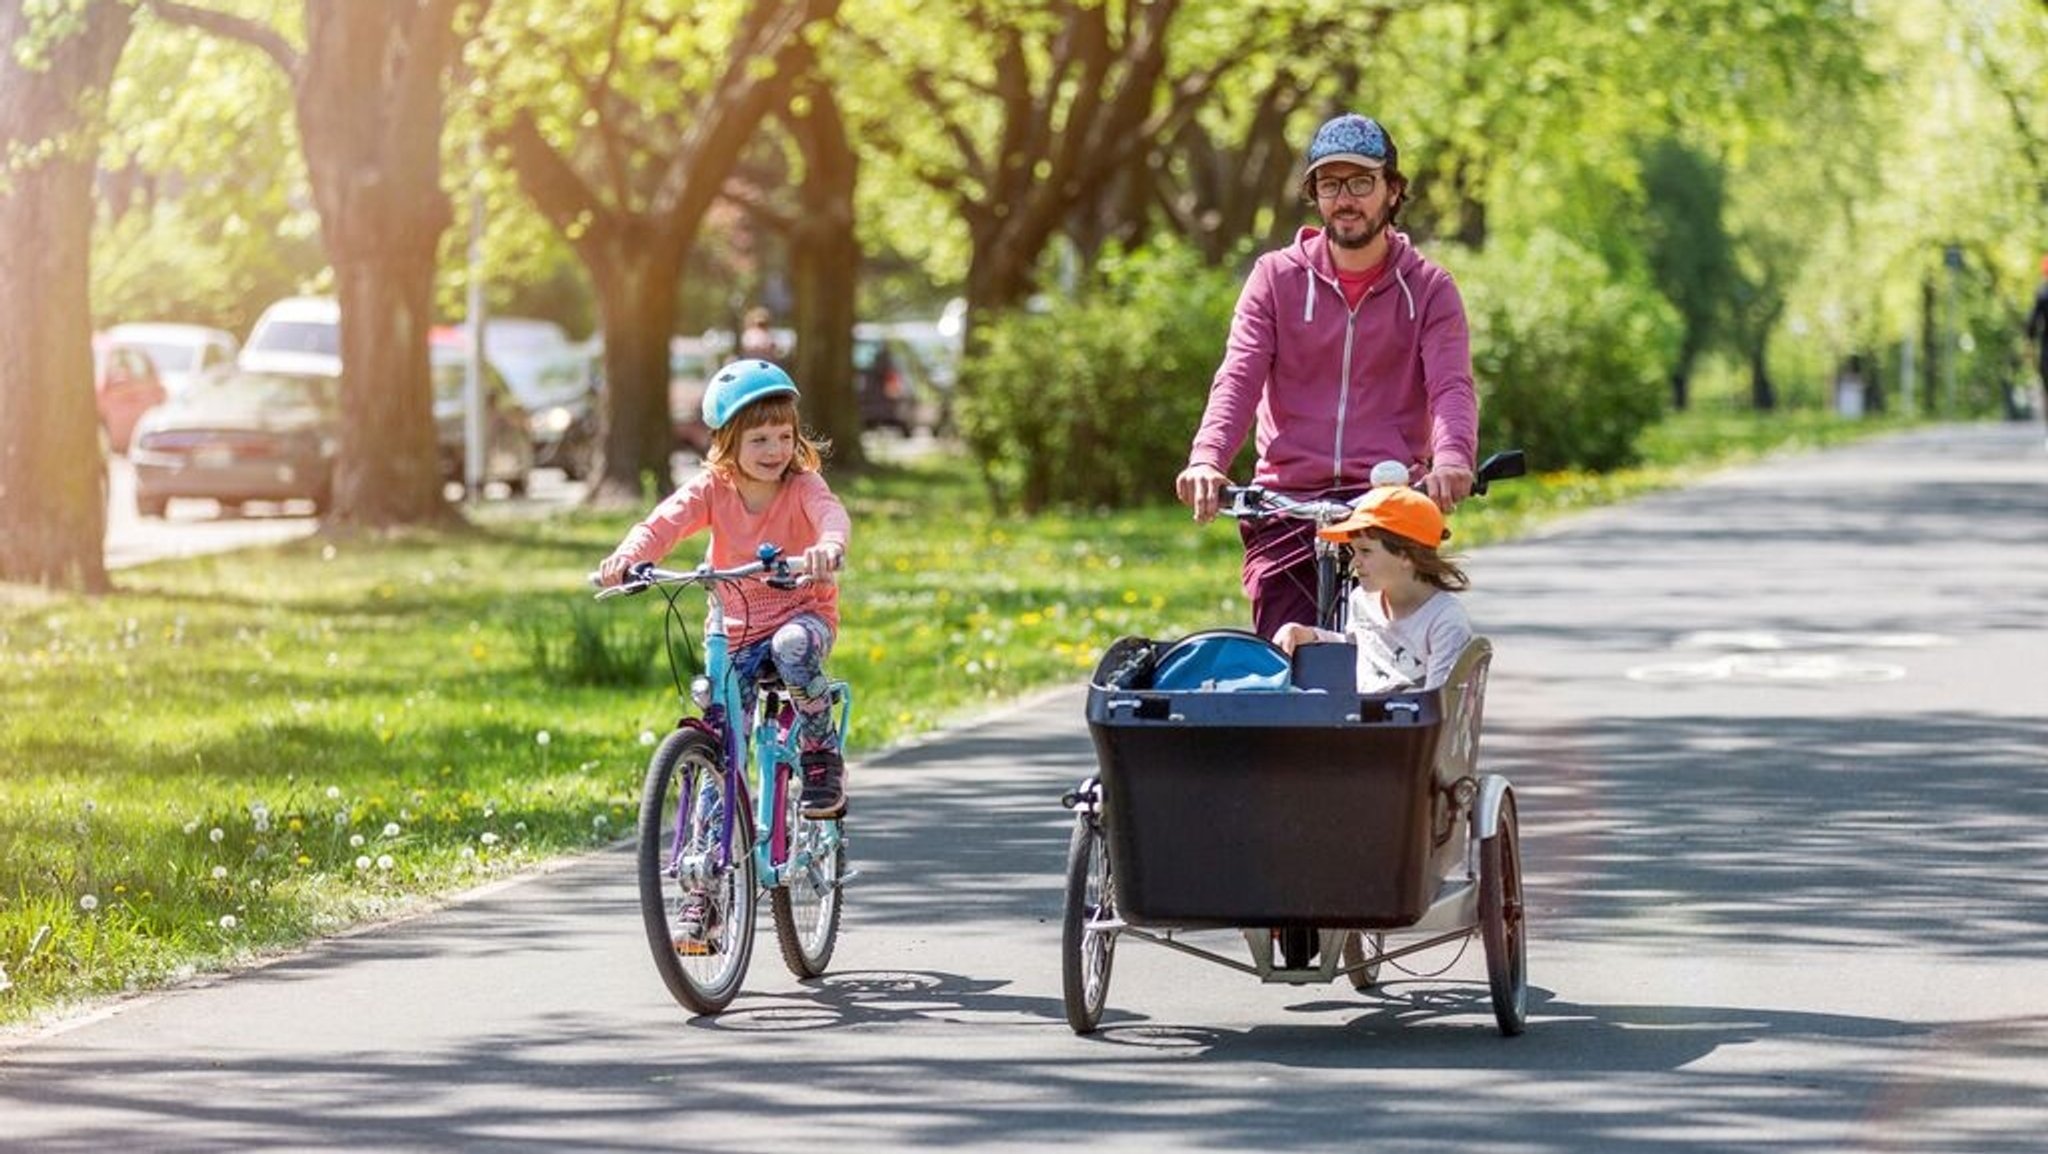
[
  {"x": 468, "y": 851},
  {"x": 333, "y": 793},
  {"x": 191, "y": 827},
  {"x": 355, "y": 841},
  {"x": 518, "y": 827},
  {"x": 260, "y": 853},
  {"x": 303, "y": 860},
  {"x": 228, "y": 922},
  {"x": 295, "y": 825},
  {"x": 647, "y": 737},
  {"x": 363, "y": 862},
  {"x": 600, "y": 821},
  {"x": 215, "y": 835},
  {"x": 89, "y": 903},
  {"x": 90, "y": 805},
  {"x": 341, "y": 817},
  {"x": 220, "y": 873},
  {"x": 391, "y": 829},
  {"x": 543, "y": 738},
  {"x": 385, "y": 862},
  {"x": 489, "y": 839}
]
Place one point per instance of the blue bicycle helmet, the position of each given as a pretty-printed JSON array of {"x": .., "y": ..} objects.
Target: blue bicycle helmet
[{"x": 740, "y": 384}]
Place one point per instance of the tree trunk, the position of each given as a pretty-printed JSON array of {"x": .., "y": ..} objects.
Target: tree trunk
[
  {"x": 825, "y": 264},
  {"x": 370, "y": 109},
  {"x": 52, "y": 479},
  {"x": 636, "y": 296}
]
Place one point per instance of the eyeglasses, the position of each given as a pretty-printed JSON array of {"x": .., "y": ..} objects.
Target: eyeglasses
[{"x": 1329, "y": 188}]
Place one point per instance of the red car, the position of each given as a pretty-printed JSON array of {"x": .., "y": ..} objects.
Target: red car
[{"x": 126, "y": 385}]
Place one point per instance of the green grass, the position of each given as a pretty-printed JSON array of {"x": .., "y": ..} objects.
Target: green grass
[{"x": 233, "y": 754}]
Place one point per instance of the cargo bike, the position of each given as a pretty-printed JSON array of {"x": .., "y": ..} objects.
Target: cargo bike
[{"x": 1238, "y": 788}]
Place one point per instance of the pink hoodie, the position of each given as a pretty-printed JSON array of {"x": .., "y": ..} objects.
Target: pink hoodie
[{"x": 1337, "y": 391}]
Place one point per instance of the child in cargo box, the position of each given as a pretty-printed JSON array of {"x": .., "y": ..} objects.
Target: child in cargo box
[{"x": 1404, "y": 615}]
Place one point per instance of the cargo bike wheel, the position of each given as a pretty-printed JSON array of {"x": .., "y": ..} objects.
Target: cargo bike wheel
[
  {"x": 1087, "y": 951},
  {"x": 1501, "y": 925}
]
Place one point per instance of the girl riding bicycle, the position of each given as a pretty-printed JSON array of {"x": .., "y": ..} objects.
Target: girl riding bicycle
[
  {"x": 1404, "y": 615},
  {"x": 761, "y": 484}
]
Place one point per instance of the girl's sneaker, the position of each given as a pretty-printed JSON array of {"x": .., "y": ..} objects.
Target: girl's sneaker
[
  {"x": 696, "y": 928},
  {"x": 824, "y": 796}
]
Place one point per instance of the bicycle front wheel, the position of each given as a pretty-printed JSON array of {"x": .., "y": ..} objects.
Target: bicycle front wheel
[
  {"x": 806, "y": 904},
  {"x": 696, "y": 899}
]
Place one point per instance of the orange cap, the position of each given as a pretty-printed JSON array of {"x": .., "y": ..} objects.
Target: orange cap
[{"x": 1398, "y": 509}]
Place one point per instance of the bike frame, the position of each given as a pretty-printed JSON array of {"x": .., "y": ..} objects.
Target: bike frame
[{"x": 746, "y": 762}]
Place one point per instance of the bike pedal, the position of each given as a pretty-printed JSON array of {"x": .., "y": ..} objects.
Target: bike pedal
[{"x": 695, "y": 949}]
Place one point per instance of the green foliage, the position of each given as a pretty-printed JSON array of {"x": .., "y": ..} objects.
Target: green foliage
[
  {"x": 1092, "y": 401},
  {"x": 1571, "y": 362}
]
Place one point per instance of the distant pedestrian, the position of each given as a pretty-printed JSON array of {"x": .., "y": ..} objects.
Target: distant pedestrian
[
  {"x": 757, "y": 340},
  {"x": 2037, "y": 328}
]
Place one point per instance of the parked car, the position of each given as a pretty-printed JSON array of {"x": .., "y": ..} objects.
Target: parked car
[
  {"x": 895, "y": 388},
  {"x": 125, "y": 385},
  {"x": 179, "y": 351},
  {"x": 296, "y": 326},
  {"x": 564, "y": 416},
  {"x": 508, "y": 446},
  {"x": 237, "y": 435}
]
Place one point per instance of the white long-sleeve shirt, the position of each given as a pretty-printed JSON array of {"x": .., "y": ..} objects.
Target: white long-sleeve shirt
[{"x": 1415, "y": 652}]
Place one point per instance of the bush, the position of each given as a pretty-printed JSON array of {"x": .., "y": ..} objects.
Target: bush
[
  {"x": 1571, "y": 362},
  {"x": 1093, "y": 402}
]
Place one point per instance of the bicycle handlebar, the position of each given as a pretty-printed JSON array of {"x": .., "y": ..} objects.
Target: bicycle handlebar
[
  {"x": 1257, "y": 501},
  {"x": 783, "y": 573}
]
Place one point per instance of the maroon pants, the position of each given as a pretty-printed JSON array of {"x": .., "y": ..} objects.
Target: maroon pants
[{"x": 1279, "y": 572}]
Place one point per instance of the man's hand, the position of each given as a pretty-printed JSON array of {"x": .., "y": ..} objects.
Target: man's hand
[
  {"x": 1200, "y": 487},
  {"x": 1447, "y": 485}
]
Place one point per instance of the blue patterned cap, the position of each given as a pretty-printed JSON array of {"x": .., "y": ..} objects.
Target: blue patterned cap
[{"x": 1353, "y": 139}]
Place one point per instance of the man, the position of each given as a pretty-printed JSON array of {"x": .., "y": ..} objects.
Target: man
[{"x": 1349, "y": 349}]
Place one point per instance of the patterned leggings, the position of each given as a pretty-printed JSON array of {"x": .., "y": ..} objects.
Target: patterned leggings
[{"x": 798, "y": 650}]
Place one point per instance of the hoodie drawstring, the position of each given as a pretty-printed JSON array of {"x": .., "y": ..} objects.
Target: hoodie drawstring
[
  {"x": 1403, "y": 282},
  {"x": 1308, "y": 303}
]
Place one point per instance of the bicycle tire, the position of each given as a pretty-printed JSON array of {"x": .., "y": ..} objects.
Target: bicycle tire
[
  {"x": 1501, "y": 922},
  {"x": 1086, "y": 955},
  {"x": 806, "y": 906},
  {"x": 685, "y": 773}
]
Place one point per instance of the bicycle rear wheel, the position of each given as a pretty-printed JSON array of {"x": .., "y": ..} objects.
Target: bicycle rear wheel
[
  {"x": 682, "y": 810},
  {"x": 806, "y": 905},
  {"x": 1501, "y": 925}
]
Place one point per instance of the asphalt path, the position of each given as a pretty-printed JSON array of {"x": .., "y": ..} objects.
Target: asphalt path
[{"x": 1777, "y": 743}]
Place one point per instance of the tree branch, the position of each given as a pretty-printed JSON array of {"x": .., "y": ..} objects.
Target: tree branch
[{"x": 254, "y": 33}]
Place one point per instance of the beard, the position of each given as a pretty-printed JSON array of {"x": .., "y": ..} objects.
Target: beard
[{"x": 1355, "y": 230}]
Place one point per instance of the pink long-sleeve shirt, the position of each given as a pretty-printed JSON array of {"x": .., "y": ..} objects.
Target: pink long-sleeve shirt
[
  {"x": 803, "y": 513},
  {"x": 1335, "y": 389}
]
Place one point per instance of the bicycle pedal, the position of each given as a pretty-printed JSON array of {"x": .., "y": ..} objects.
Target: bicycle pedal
[{"x": 695, "y": 949}]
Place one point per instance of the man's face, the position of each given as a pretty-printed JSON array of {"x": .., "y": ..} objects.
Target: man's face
[{"x": 1352, "y": 219}]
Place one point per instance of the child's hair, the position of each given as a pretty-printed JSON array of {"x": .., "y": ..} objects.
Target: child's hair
[
  {"x": 1431, "y": 567},
  {"x": 724, "y": 453}
]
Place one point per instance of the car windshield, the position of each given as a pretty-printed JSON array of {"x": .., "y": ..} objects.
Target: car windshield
[
  {"x": 260, "y": 391},
  {"x": 171, "y": 358},
  {"x": 300, "y": 337}
]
